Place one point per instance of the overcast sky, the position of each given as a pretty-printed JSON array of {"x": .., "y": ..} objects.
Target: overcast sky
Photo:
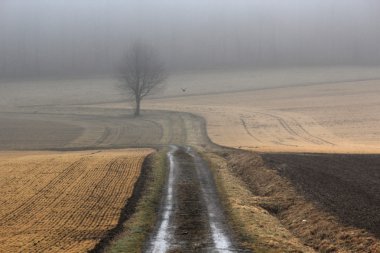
[{"x": 84, "y": 37}]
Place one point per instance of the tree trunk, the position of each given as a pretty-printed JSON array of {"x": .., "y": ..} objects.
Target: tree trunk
[{"x": 137, "y": 109}]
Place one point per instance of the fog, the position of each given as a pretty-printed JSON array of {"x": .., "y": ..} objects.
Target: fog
[{"x": 41, "y": 38}]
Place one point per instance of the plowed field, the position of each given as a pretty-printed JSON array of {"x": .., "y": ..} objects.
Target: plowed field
[{"x": 63, "y": 201}]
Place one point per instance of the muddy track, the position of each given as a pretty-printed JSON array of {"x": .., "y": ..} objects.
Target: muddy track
[{"x": 191, "y": 216}]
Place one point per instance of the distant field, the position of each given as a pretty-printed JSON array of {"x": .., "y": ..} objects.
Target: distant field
[
  {"x": 88, "y": 128},
  {"x": 331, "y": 117},
  {"x": 280, "y": 110},
  {"x": 35, "y": 132},
  {"x": 66, "y": 201},
  {"x": 63, "y": 202},
  {"x": 22, "y": 94}
]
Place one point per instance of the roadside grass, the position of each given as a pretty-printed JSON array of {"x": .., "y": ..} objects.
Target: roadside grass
[
  {"x": 137, "y": 229},
  {"x": 268, "y": 210},
  {"x": 254, "y": 227},
  {"x": 244, "y": 239}
]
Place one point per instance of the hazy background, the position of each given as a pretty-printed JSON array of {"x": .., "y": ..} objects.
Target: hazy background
[{"x": 43, "y": 38}]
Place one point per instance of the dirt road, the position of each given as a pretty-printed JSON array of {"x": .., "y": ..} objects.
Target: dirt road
[{"x": 191, "y": 217}]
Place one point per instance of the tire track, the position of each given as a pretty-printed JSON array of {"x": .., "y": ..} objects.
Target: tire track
[
  {"x": 191, "y": 216},
  {"x": 104, "y": 136},
  {"x": 313, "y": 136},
  {"x": 247, "y": 130},
  {"x": 301, "y": 133}
]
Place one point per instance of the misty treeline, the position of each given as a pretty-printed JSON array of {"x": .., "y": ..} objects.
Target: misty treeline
[{"x": 87, "y": 37}]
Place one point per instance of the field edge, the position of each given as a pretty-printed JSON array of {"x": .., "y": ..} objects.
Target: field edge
[
  {"x": 129, "y": 208},
  {"x": 274, "y": 198},
  {"x": 254, "y": 228},
  {"x": 134, "y": 232}
]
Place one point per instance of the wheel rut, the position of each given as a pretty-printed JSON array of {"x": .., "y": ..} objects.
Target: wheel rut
[{"x": 191, "y": 215}]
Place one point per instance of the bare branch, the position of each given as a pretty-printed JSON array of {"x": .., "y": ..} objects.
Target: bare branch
[{"x": 142, "y": 72}]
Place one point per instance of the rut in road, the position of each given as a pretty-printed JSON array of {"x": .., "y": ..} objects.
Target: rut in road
[{"x": 191, "y": 216}]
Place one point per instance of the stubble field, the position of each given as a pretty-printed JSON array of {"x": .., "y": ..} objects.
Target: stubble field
[
  {"x": 325, "y": 118},
  {"x": 313, "y": 117},
  {"x": 334, "y": 110},
  {"x": 64, "y": 201}
]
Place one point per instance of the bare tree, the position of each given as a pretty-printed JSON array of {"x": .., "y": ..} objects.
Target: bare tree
[{"x": 142, "y": 73}]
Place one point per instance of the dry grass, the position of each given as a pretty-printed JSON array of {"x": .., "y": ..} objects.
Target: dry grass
[
  {"x": 256, "y": 228},
  {"x": 314, "y": 227},
  {"x": 140, "y": 225},
  {"x": 63, "y": 202}
]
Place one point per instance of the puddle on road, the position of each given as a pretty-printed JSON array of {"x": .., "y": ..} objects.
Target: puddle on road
[{"x": 164, "y": 238}]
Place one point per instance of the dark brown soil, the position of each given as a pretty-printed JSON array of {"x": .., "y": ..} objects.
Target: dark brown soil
[
  {"x": 324, "y": 200},
  {"x": 346, "y": 185}
]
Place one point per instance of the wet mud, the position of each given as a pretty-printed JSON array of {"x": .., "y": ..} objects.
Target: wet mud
[{"x": 191, "y": 216}]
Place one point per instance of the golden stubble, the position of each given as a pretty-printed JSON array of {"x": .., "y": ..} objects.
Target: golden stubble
[{"x": 63, "y": 201}]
